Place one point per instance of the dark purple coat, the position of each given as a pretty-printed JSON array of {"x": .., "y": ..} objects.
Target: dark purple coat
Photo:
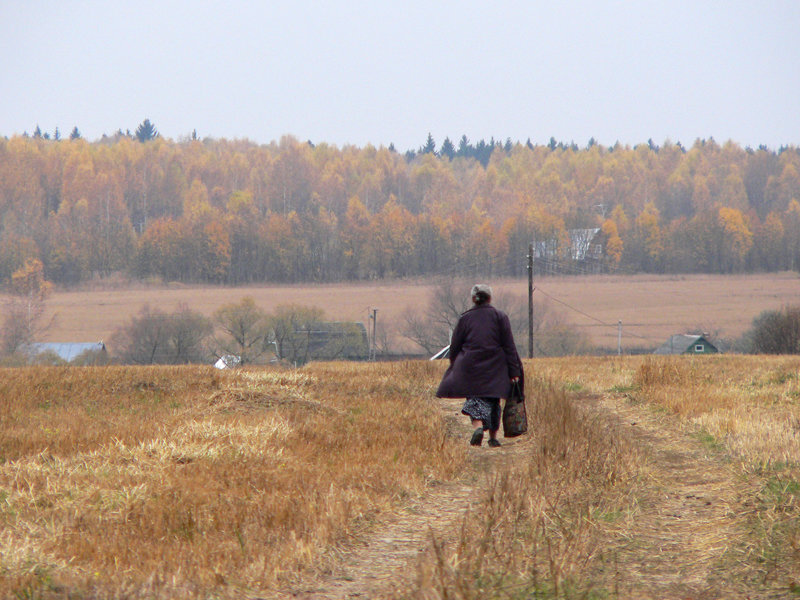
[{"x": 483, "y": 357}]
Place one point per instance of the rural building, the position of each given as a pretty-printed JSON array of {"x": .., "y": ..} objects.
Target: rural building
[
  {"x": 585, "y": 244},
  {"x": 687, "y": 343},
  {"x": 228, "y": 361},
  {"x": 85, "y": 353},
  {"x": 336, "y": 341},
  {"x": 583, "y": 249}
]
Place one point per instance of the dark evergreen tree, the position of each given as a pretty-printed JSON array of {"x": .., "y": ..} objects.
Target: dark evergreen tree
[
  {"x": 37, "y": 133},
  {"x": 448, "y": 149},
  {"x": 56, "y": 134},
  {"x": 553, "y": 144},
  {"x": 146, "y": 131},
  {"x": 429, "y": 147},
  {"x": 508, "y": 145},
  {"x": 465, "y": 149},
  {"x": 529, "y": 144},
  {"x": 483, "y": 151},
  {"x": 75, "y": 135}
]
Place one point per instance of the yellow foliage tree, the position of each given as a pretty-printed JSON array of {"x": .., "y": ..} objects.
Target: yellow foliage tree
[{"x": 736, "y": 238}]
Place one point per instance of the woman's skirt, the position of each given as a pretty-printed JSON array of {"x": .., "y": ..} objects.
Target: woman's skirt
[{"x": 486, "y": 410}]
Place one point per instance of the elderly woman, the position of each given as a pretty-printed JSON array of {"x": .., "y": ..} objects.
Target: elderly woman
[{"x": 483, "y": 364}]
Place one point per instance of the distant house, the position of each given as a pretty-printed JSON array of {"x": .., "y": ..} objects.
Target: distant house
[
  {"x": 585, "y": 244},
  {"x": 336, "y": 341},
  {"x": 228, "y": 361},
  {"x": 86, "y": 353},
  {"x": 582, "y": 249},
  {"x": 686, "y": 343}
]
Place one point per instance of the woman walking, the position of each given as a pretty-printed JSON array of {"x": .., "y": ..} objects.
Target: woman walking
[{"x": 483, "y": 364}]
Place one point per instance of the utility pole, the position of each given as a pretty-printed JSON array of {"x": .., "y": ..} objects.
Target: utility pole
[
  {"x": 619, "y": 338},
  {"x": 373, "y": 353},
  {"x": 530, "y": 300}
]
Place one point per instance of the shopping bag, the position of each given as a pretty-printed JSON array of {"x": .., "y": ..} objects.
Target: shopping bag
[{"x": 515, "y": 419}]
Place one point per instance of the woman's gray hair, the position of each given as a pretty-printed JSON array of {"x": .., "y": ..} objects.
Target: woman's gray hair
[{"x": 481, "y": 293}]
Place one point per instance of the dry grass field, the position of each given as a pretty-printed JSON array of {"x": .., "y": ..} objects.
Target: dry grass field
[
  {"x": 669, "y": 477},
  {"x": 189, "y": 483},
  {"x": 641, "y": 477},
  {"x": 651, "y": 307}
]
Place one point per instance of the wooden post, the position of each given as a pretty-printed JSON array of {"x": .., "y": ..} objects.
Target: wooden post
[{"x": 530, "y": 300}]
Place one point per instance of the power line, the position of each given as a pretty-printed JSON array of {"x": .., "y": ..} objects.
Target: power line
[{"x": 588, "y": 316}]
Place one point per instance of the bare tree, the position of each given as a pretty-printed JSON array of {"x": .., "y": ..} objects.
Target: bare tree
[
  {"x": 776, "y": 331},
  {"x": 244, "y": 330},
  {"x": 156, "y": 337},
  {"x": 24, "y": 312},
  {"x": 430, "y": 327},
  {"x": 143, "y": 340},
  {"x": 291, "y": 327},
  {"x": 188, "y": 334}
]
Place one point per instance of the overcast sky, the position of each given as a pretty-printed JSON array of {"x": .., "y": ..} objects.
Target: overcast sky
[{"x": 384, "y": 72}]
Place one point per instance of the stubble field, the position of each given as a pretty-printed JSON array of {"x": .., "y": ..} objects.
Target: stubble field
[
  {"x": 641, "y": 477},
  {"x": 650, "y": 307}
]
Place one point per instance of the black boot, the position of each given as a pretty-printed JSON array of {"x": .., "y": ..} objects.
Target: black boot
[{"x": 477, "y": 437}]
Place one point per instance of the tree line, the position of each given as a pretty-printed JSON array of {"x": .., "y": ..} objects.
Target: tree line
[{"x": 234, "y": 212}]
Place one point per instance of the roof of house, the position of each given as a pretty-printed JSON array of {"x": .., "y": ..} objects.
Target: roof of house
[
  {"x": 682, "y": 342},
  {"x": 67, "y": 351},
  {"x": 581, "y": 243},
  {"x": 228, "y": 361}
]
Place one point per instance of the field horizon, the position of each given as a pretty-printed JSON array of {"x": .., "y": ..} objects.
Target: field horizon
[{"x": 651, "y": 307}]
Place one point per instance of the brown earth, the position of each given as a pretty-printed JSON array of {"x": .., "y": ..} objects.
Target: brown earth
[
  {"x": 687, "y": 538},
  {"x": 650, "y": 307}
]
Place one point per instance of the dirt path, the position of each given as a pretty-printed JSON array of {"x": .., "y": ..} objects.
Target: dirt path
[
  {"x": 376, "y": 567},
  {"x": 684, "y": 540}
]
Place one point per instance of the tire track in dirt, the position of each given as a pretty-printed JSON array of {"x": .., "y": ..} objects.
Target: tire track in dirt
[
  {"x": 379, "y": 564},
  {"x": 686, "y": 539}
]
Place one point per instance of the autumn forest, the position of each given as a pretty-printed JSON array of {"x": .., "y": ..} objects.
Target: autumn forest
[{"x": 233, "y": 212}]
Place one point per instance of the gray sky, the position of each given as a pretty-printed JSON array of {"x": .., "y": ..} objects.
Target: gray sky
[{"x": 390, "y": 72}]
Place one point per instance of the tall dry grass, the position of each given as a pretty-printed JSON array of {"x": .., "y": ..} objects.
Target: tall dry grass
[
  {"x": 749, "y": 404},
  {"x": 184, "y": 482},
  {"x": 546, "y": 529},
  {"x": 539, "y": 528},
  {"x": 746, "y": 409}
]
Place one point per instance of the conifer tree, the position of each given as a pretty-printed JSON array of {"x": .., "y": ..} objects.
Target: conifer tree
[
  {"x": 429, "y": 147},
  {"x": 146, "y": 131},
  {"x": 448, "y": 149}
]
